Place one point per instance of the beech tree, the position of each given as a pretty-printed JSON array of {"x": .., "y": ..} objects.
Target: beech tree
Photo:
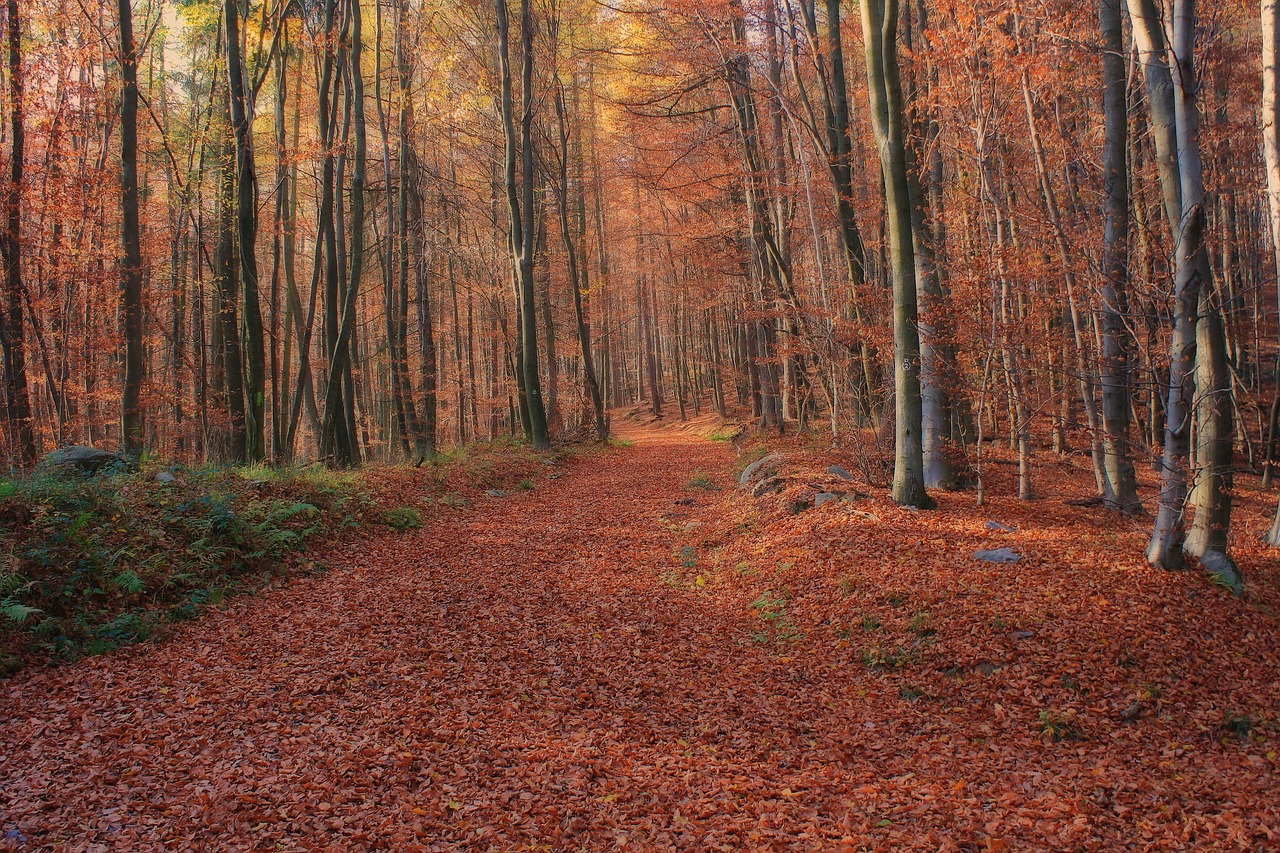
[{"x": 880, "y": 37}]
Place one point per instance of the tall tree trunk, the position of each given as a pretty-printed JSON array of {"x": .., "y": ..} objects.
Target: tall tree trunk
[
  {"x": 1199, "y": 386},
  {"x": 578, "y": 271},
  {"x": 520, "y": 204},
  {"x": 1116, "y": 359},
  {"x": 246, "y": 233},
  {"x": 340, "y": 446},
  {"x": 12, "y": 325},
  {"x": 1271, "y": 147},
  {"x": 880, "y": 34},
  {"x": 131, "y": 412}
]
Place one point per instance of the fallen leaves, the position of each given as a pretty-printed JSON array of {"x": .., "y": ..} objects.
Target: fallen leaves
[{"x": 519, "y": 676}]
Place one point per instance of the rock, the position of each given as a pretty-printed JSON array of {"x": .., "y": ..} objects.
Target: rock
[
  {"x": 986, "y": 667},
  {"x": 761, "y": 467},
  {"x": 85, "y": 460},
  {"x": 1021, "y": 635},
  {"x": 554, "y": 475},
  {"x": 824, "y": 497},
  {"x": 549, "y": 462},
  {"x": 1223, "y": 571},
  {"x": 1003, "y": 528},
  {"x": 496, "y": 493},
  {"x": 837, "y": 471},
  {"x": 166, "y": 477},
  {"x": 769, "y": 486},
  {"x": 998, "y": 555}
]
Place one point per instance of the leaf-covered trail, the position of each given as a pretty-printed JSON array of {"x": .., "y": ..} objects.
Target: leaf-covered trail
[
  {"x": 515, "y": 673},
  {"x": 545, "y": 671}
]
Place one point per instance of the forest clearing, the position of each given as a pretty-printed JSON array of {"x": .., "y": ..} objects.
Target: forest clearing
[{"x": 640, "y": 424}]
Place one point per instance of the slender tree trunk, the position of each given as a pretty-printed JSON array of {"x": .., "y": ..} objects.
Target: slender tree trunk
[
  {"x": 880, "y": 34},
  {"x": 131, "y": 411},
  {"x": 577, "y": 271},
  {"x": 1116, "y": 360},
  {"x": 520, "y": 204},
  {"x": 340, "y": 446},
  {"x": 1271, "y": 147},
  {"x": 247, "y": 233},
  {"x": 12, "y": 325}
]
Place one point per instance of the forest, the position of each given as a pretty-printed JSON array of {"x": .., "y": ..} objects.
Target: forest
[{"x": 309, "y": 283}]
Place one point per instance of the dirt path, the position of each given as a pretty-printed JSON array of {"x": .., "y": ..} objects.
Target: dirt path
[{"x": 515, "y": 674}]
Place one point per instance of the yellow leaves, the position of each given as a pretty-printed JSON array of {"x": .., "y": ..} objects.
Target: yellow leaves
[{"x": 453, "y": 805}]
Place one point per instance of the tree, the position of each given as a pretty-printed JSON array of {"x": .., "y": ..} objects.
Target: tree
[
  {"x": 246, "y": 233},
  {"x": 522, "y": 215},
  {"x": 12, "y": 325},
  {"x": 1271, "y": 149},
  {"x": 1199, "y": 387},
  {"x": 1115, "y": 373},
  {"x": 880, "y": 37},
  {"x": 131, "y": 412}
]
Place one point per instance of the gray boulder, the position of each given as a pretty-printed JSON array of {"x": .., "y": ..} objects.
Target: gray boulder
[
  {"x": 824, "y": 497},
  {"x": 78, "y": 459},
  {"x": 837, "y": 471}
]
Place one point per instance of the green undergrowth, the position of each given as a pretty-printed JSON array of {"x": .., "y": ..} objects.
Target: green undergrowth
[{"x": 92, "y": 563}]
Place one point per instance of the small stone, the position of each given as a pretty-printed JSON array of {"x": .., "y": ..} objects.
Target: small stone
[
  {"x": 824, "y": 497},
  {"x": 1003, "y": 528},
  {"x": 837, "y": 471},
  {"x": 496, "y": 493},
  {"x": 1022, "y": 635},
  {"x": 165, "y": 477},
  {"x": 1132, "y": 712},
  {"x": 998, "y": 555}
]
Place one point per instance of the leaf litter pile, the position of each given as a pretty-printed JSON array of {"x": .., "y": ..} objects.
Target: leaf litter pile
[{"x": 640, "y": 655}]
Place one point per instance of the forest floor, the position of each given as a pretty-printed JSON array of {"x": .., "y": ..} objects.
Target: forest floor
[{"x": 639, "y": 655}]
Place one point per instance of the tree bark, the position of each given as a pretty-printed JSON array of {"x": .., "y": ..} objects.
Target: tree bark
[
  {"x": 880, "y": 34},
  {"x": 1116, "y": 359},
  {"x": 520, "y": 204},
  {"x": 131, "y": 412},
  {"x": 246, "y": 233},
  {"x": 12, "y": 325}
]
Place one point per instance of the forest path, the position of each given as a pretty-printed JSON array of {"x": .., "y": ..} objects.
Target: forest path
[{"x": 517, "y": 673}]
